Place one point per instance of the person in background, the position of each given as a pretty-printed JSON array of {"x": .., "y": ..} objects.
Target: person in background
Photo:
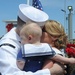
[{"x": 10, "y": 43}]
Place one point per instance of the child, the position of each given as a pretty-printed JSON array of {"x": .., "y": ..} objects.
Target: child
[
  {"x": 30, "y": 36},
  {"x": 36, "y": 52}
]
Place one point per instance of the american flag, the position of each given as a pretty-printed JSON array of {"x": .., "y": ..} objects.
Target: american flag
[{"x": 37, "y": 4}]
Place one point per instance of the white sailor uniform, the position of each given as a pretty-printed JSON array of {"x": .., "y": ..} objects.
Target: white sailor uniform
[
  {"x": 10, "y": 43},
  {"x": 9, "y": 47}
]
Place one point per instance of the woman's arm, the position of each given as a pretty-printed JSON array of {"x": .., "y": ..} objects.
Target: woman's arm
[
  {"x": 57, "y": 69},
  {"x": 48, "y": 64}
]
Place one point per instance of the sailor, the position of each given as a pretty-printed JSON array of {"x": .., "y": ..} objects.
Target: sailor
[{"x": 10, "y": 42}]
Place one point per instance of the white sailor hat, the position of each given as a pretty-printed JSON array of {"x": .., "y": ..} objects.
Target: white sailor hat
[{"x": 29, "y": 13}]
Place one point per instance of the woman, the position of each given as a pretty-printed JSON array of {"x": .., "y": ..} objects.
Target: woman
[{"x": 54, "y": 34}]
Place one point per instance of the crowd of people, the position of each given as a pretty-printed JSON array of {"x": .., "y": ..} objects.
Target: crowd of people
[{"x": 34, "y": 46}]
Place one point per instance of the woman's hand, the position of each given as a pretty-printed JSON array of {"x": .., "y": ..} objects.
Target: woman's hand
[{"x": 58, "y": 69}]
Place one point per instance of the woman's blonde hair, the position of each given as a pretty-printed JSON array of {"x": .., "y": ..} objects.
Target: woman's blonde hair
[{"x": 54, "y": 28}]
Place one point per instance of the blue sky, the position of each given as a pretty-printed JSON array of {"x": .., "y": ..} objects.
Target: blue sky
[{"x": 9, "y": 11}]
